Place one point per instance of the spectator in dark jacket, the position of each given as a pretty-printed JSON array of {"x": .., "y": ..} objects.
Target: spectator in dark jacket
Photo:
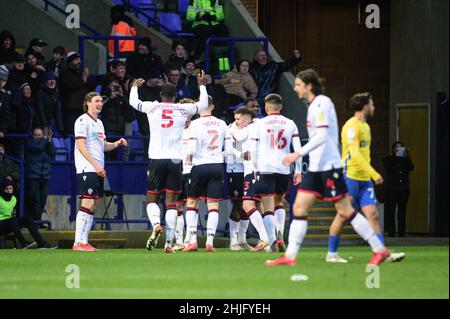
[
  {"x": 177, "y": 58},
  {"x": 187, "y": 85},
  {"x": 22, "y": 115},
  {"x": 39, "y": 151},
  {"x": 49, "y": 105},
  {"x": 140, "y": 62},
  {"x": 397, "y": 167},
  {"x": 4, "y": 101},
  {"x": 118, "y": 72},
  {"x": 8, "y": 168},
  {"x": 116, "y": 112},
  {"x": 17, "y": 75},
  {"x": 36, "y": 47},
  {"x": 7, "y": 47},
  {"x": 267, "y": 73},
  {"x": 33, "y": 71},
  {"x": 9, "y": 223},
  {"x": 73, "y": 88},
  {"x": 220, "y": 98},
  {"x": 57, "y": 63}
]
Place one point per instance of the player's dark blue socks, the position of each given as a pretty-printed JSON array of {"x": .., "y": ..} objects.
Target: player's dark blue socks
[
  {"x": 333, "y": 243},
  {"x": 380, "y": 237}
]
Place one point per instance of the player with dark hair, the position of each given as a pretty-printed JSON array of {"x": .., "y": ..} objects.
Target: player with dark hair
[
  {"x": 325, "y": 178},
  {"x": 166, "y": 121}
]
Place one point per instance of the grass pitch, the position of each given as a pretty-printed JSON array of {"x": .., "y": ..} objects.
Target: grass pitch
[{"x": 137, "y": 273}]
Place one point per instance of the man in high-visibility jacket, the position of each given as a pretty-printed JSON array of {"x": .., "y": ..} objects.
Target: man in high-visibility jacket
[
  {"x": 207, "y": 18},
  {"x": 121, "y": 26}
]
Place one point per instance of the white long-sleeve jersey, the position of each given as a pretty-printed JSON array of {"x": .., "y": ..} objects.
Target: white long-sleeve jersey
[
  {"x": 234, "y": 143},
  {"x": 166, "y": 122}
]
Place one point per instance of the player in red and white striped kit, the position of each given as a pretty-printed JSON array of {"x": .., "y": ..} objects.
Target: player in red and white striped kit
[
  {"x": 207, "y": 137},
  {"x": 166, "y": 120}
]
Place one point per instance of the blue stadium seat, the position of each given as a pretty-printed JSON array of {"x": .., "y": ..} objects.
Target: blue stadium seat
[
  {"x": 62, "y": 153},
  {"x": 137, "y": 146},
  {"x": 172, "y": 21},
  {"x": 182, "y": 6}
]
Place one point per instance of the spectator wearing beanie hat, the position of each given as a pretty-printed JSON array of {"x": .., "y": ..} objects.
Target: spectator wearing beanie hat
[
  {"x": 144, "y": 59},
  {"x": 73, "y": 87},
  {"x": 17, "y": 74},
  {"x": 48, "y": 105}
]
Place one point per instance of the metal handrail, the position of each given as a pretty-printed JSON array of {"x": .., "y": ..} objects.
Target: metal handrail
[
  {"x": 116, "y": 39},
  {"x": 231, "y": 44},
  {"x": 48, "y": 3}
]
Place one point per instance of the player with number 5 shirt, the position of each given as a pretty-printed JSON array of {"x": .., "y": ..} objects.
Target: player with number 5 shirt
[{"x": 166, "y": 121}]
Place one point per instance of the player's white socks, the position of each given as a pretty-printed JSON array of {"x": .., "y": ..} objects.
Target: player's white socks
[
  {"x": 83, "y": 226},
  {"x": 191, "y": 225},
  {"x": 171, "y": 222},
  {"x": 234, "y": 230},
  {"x": 153, "y": 213},
  {"x": 362, "y": 227},
  {"x": 258, "y": 223},
  {"x": 280, "y": 216},
  {"x": 179, "y": 229},
  {"x": 243, "y": 226},
  {"x": 211, "y": 226},
  {"x": 269, "y": 224},
  {"x": 297, "y": 232}
]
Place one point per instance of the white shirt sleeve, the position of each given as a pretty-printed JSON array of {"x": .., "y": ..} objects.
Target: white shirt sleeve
[
  {"x": 193, "y": 139},
  {"x": 81, "y": 128},
  {"x": 137, "y": 104},
  {"x": 297, "y": 147}
]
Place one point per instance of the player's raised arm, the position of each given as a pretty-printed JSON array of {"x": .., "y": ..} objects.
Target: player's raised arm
[
  {"x": 202, "y": 104},
  {"x": 135, "y": 102}
]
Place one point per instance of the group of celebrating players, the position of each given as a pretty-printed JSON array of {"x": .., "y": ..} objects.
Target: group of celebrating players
[{"x": 186, "y": 164}]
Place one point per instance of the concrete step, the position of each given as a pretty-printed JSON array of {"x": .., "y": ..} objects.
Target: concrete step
[{"x": 324, "y": 230}]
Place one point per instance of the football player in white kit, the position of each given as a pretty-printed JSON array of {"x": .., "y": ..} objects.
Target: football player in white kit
[
  {"x": 90, "y": 145},
  {"x": 207, "y": 137},
  {"x": 249, "y": 194},
  {"x": 273, "y": 137},
  {"x": 166, "y": 120},
  {"x": 324, "y": 178}
]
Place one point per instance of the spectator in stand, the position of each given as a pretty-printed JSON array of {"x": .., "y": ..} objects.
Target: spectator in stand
[
  {"x": 39, "y": 151},
  {"x": 56, "y": 64},
  {"x": 34, "y": 71},
  {"x": 207, "y": 18},
  {"x": 48, "y": 104},
  {"x": 220, "y": 98},
  {"x": 72, "y": 84},
  {"x": 115, "y": 114},
  {"x": 24, "y": 111},
  {"x": 18, "y": 75},
  {"x": 9, "y": 169},
  {"x": 150, "y": 91},
  {"x": 138, "y": 63},
  {"x": 7, "y": 47},
  {"x": 36, "y": 47},
  {"x": 267, "y": 73},
  {"x": 118, "y": 72},
  {"x": 177, "y": 58},
  {"x": 239, "y": 84},
  {"x": 188, "y": 85},
  {"x": 9, "y": 223},
  {"x": 397, "y": 167},
  {"x": 4, "y": 102},
  {"x": 121, "y": 26}
]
